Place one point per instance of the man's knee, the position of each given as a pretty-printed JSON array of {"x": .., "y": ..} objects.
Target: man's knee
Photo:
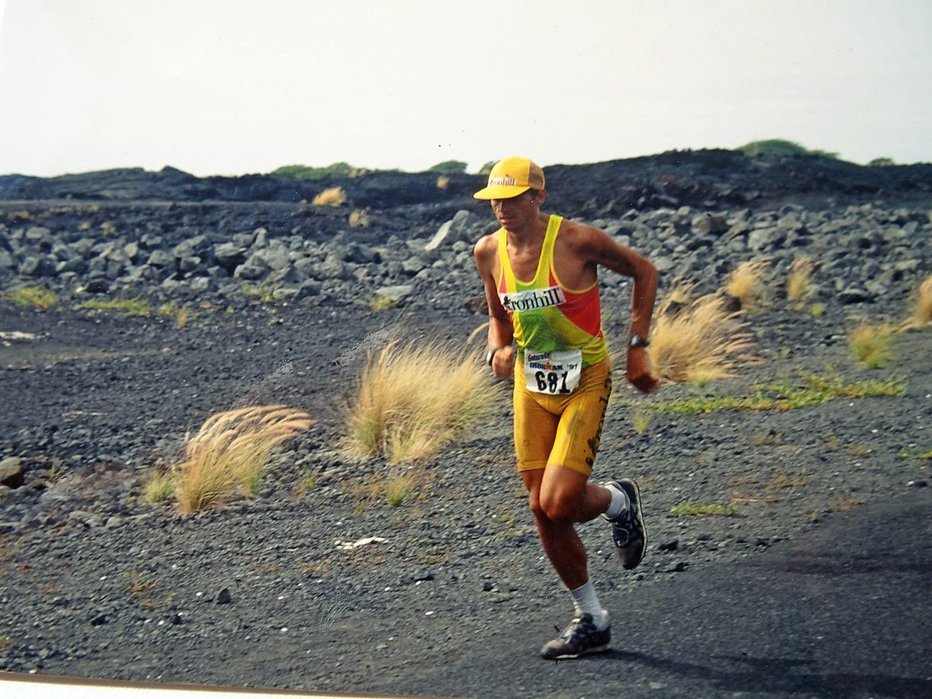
[{"x": 558, "y": 507}]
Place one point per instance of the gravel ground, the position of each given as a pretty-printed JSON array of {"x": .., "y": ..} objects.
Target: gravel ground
[
  {"x": 95, "y": 582},
  {"x": 317, "y": 583}
]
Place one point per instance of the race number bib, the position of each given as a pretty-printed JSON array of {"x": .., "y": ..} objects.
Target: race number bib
[{"x": 553, "y": 373}]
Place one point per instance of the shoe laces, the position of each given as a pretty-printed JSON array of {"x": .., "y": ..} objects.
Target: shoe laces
[
  {"x": 622, "y": 535},
  {"x": 580, "y": 625}
]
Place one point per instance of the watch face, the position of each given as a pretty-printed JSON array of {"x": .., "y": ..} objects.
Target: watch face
[{"x": 638, "y": 341}]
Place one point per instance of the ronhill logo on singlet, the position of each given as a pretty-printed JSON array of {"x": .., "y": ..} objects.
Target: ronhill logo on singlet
[{"x": 533, "y": 298}]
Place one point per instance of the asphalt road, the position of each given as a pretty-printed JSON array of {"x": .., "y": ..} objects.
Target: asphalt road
[{"x": 839, "y": 612}]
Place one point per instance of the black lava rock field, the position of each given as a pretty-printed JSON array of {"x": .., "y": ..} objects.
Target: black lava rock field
[{"x": 244, "y": 291}]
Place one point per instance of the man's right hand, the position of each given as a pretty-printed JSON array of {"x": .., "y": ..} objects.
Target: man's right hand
[{"x": 503, "y": 362}]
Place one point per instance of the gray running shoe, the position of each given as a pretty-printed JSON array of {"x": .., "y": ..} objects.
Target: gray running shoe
[
  {"x": 579, "y": 638},
  {"x": 628, "y": 531}
]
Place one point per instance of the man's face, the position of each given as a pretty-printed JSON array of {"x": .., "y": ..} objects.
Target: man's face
[{"x": 515, "y": 213}]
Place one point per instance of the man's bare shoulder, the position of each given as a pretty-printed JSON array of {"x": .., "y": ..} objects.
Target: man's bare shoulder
[
  {"x": 580, "y": 236},
  {"x": 486, "y": 245},
  {"x": 485, "y": 249}
]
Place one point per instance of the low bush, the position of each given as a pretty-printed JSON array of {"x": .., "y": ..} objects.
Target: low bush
[
  {"x": 181, "y": 314},
  {"x": 812, "y": 390},
  {"x": 692, "y": 509},
  {"x": 449, "y": 167},
  {"x": 31, "y": 297},
  {"x": 780, "y": 147},
  {"x": 128, "y": 307},
  {"x": 159, "y": 487},
  {"x": 261, "y": 292},
  {"x": 307, "y": 172}
]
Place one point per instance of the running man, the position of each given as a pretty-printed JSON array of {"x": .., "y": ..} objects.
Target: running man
[{"x": 541, "y": 284}]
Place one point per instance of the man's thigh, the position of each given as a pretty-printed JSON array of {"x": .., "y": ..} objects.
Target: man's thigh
[
  {"x": 580, "y": 428},
  {"x": 535, "y": 429}
]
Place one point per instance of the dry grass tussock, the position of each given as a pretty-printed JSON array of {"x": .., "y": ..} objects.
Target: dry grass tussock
[
  {"x": 921, "y": 314},
  {"x": 228, "y": 454},
  {"x": 332, "y": 196},
  {"x": 745, "y": 283},
  {"x": 798, "y": 281},
  {"x": 413, "y": 399},
  {"x": 701, "y": 342},
  {"x": 870, "y": 343},
  {"x": 359, "y": 218}
]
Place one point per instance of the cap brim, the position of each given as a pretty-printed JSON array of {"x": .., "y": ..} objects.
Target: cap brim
[{"x": 501, "y": 191}]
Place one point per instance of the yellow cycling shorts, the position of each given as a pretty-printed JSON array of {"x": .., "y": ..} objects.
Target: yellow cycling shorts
[{"x": 554, "y": 430}]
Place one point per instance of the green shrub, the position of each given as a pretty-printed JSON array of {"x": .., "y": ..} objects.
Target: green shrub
[
  {"x": 159, "y": 487},
  {"x": 306, "y": 172},
  {"x": 783, "y": 395},
  {"x": 334, "y": 170},
  {"x": 128, "y": 307},
  {"x": 449, "y": 167},
  {"x": 780, "y": 147},
  {"x": 398, "y": 489},
  {"x": 31, "y": 297},
  {"x": 693, "y": 509}
]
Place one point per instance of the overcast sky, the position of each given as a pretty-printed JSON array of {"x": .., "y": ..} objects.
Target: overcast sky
[{"x": 240, "y": 86}]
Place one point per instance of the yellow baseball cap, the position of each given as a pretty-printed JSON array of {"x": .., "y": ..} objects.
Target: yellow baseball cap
[{"x": 511, "y": 177}]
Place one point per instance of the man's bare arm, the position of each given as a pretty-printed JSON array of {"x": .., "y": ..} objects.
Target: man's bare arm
[
  {"x": 501, "y": 329},
  {"x": 599, "y": 248}
]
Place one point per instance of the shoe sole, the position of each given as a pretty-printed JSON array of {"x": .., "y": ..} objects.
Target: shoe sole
[
  {"x": 587, "y": 651},
  {"x": 628, "y": 484}
]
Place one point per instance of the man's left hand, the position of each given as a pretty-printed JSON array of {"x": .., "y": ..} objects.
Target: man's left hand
[{"x": 639, "y": 372}]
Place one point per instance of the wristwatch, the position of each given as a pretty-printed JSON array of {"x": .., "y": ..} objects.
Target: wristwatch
[
  {"x": 638, "y": 341},
  {"x": 491, "y": 355}
]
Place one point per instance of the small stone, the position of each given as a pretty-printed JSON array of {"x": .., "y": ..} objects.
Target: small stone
[
  {"x": 11, "y": 472},
  {"x": 97, "y": 286},
  {"x": 224, "y": 596},
  {"x": 918, "y": 483},
  {"x": 395, "y": 293}
]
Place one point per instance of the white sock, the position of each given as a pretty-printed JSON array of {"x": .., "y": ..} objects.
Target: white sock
[
  {"x": 586, "y": 601},
  {"x": 619, "y": 502}
]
